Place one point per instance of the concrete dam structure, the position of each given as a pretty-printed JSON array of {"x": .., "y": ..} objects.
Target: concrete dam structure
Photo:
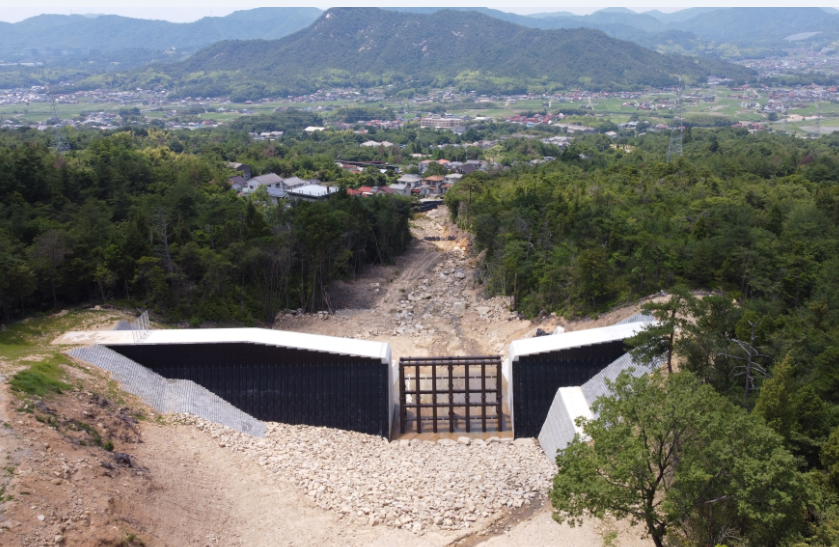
[{"x": 349, "y": 384}]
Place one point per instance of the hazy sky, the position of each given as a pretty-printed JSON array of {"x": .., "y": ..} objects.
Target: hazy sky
[{"x": 190, "y": 10}]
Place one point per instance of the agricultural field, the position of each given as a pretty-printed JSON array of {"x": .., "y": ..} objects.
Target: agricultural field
[
  {"x": 614, "y": 109},
  {"x": 39, "y": 112}
]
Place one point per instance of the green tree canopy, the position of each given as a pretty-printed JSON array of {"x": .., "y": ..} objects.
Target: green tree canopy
[{"x": 670, "y": 453}]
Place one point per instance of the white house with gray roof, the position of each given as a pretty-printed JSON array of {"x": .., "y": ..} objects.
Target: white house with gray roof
[{"x": 271, "y": 180}]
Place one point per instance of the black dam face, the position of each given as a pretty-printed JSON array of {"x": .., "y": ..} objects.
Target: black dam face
[
  {"x": 277, "y": 384},
  {"x": 536, "y": 379}
]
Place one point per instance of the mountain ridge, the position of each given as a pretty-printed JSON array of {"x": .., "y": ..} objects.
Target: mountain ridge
[
  {"x": 109, "y": 33},
  {"x": 443, "y": 48}
]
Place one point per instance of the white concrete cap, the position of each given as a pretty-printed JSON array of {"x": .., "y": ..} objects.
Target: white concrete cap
[
  {"x": 574, "y": 339},
  {"x": 268, "y": 337}
]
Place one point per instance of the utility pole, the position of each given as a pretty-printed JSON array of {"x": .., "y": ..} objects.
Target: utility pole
[{"x": 677, "y": 131}]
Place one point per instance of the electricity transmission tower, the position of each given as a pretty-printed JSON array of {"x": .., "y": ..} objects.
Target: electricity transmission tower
[
  {"x": 59, "y": 140},
  {"x": 817, "y": 127},
  {"x": 677, "y": 131}
]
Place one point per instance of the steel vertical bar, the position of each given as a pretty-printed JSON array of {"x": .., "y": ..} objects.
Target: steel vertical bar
[
  {"x": 483, "y": 397},
  {"x": 402, "y": 388},
  {"x": 419, "y": 399},
  {"x": 451, "y": 396},
  {"x": 434, "y": 397},
  {"x": 498, "y": 395},
  {"x": 466, "y": 395}
]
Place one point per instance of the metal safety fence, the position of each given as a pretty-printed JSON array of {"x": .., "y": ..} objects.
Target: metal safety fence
[{"x": 140, "y": 327}]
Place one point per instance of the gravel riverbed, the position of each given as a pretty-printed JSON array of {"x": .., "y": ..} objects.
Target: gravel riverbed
[{"x": 414, "y": 485}]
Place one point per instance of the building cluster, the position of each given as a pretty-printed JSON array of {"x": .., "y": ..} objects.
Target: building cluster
[
  {"x": 534, "y": 119},
  {"x": 437, "y": 121},
  {"x": 800, "y": 60},
  {"x": 421, "y": 185},
  {"x": 266, "y": 135},
  {"x": 278, "y": 188},
  {"x": 780, "y": 100},
  {"x": 40, "y": 94}
]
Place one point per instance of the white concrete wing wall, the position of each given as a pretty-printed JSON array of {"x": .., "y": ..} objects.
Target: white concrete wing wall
[
  {"x": 268, "y": 337},
  {"x": 560, "y": 427},
  {"x": 573, "y": 402},
  {"x": 567, "y": 340},
  {"x": 596, "y": 387},
  {"x": 642, "y": 317},
  {"x": 310, "y": 342}
]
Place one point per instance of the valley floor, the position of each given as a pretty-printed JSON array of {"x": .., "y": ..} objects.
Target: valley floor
[{"x": 169, "y": 482}]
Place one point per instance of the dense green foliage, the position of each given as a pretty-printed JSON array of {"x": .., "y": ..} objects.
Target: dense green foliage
[
  {"x": 125, "y": 218},
  {"x": 684, "y": 462},
  {"x": 754, "y": 214},
  {"x": 742, "y": 232},
  {"x": 368, "y": 46}
]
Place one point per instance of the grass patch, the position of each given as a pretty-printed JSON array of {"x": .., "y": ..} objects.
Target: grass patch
[
  {"x": 96, "y": 438},
  {"x": 40, "y": 379},
  {"x": 132, "y": 539},
  {"x": 3, "y": 496},
  {"x": 115, "y": 393}
]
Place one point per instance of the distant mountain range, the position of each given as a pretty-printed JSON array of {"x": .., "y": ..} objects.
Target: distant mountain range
[
  {"x": 716, "y": 32},
  {"x": 406, "y": 50},
  {"x": 90, "y": 44},
  {"x": 76, "y": 35},
  {"x": 761, "y": 26}
]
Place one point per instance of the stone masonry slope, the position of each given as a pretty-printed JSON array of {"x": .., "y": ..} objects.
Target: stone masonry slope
[{"x": 168, "y": 396}]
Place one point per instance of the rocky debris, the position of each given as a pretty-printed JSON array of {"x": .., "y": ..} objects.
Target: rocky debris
[
  {"x": 414, "y": 485},
  {"x": 443, "y": 295}
]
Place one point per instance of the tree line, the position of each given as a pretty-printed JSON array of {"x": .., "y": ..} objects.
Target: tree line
[{"x": 123, "y": 218}]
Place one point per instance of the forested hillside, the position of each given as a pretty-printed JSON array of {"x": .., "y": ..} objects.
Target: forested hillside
[
  {"x": 745, "y": 213},
  {"x": 369, "y": 46},
  {"x": 125, "y": 218},
  {"x": 752, "y": 223}
]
